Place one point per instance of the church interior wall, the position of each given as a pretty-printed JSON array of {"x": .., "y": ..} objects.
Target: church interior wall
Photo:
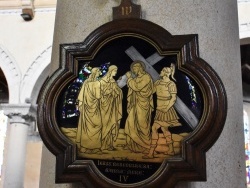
[
  {"x": 33, "y": 164},
  {"x": 243, "y": 12},
  {"x": 244, "y": 21},
  {"x": 216, "y": 23},
  {"x": 25, "y": 42},
  {"x": 29, "y": 39},
  {"x": 24, "y": 59}
]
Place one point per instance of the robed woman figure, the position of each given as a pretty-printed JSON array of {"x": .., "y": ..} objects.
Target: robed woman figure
[
  {"x": 111, "y": 108},
  {"x": 89, "y": 131}
]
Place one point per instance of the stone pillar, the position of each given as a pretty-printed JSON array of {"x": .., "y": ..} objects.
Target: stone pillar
[
  {"x": 216, "y": 23},
  {"x": 15, "y": 144}
]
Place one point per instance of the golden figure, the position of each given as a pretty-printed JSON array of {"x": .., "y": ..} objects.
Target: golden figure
[
  {"x": 139, "y": 108},
  {"x": 166, "y": 116},
  {"x": 111, "y": 108},
  {"x": 89, "y": 131}
]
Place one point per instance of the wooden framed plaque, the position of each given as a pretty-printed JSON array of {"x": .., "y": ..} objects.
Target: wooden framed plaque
[{"x": 131, "y": 106}]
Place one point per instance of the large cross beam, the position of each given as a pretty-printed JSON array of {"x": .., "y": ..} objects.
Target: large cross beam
[
  {"x": 153, "y": 59},
  {"x": 179, "y": 105}
]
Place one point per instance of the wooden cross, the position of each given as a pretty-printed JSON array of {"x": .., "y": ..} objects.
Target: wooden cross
[{"x": 127, "y": 9}]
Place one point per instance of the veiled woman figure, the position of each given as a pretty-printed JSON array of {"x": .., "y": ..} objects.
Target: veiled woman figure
[
  {"x": 89, "y": 131},
  {"x": 111, "y": 108}
]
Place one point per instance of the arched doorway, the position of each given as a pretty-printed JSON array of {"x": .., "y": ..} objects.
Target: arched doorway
[
  {"x": 4, "y": 92},
  {"x": 4, "y": 98}
]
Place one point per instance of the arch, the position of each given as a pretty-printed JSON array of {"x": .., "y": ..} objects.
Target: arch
[
  {"x": 35, "y": 76},
  {"x": 12, "y": 74},
  {"x": 4, "y": 91},
  {"x": 245, "y": 41}
]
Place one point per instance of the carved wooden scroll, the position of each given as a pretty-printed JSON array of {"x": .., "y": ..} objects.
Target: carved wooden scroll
[{"x": 127, "y": 9}]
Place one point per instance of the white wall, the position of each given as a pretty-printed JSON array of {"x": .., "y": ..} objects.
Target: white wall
[
  {"x": 244, "y": 19},
  {"x": 25, "y": 54},
  {"x": 22, "y": 44},
  {"x": 25, "y": 41}
]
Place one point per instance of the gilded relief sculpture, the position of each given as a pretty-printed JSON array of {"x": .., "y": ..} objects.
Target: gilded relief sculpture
[
  {"x": 166, "y": 116},
  {"x": 100, "y": 105},
  {"x": 89, "y": 130},
  {"x": 139, "y": 107},
  {"x": 131, "y": 106},
  {"x": 111, "y": 108}
]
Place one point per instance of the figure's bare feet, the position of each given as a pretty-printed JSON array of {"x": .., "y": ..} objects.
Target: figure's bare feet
[
  {"x": 125, "y": 147},
  {"x": 96, "y": 151}
]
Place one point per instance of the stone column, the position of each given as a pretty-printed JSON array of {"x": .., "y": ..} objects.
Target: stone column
[
  {"x": 15, "y": 144},
  {"x": 216, "y": 23}
]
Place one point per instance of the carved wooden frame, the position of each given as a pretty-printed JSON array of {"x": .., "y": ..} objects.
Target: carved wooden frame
[{"x": 191, "y": 166}]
